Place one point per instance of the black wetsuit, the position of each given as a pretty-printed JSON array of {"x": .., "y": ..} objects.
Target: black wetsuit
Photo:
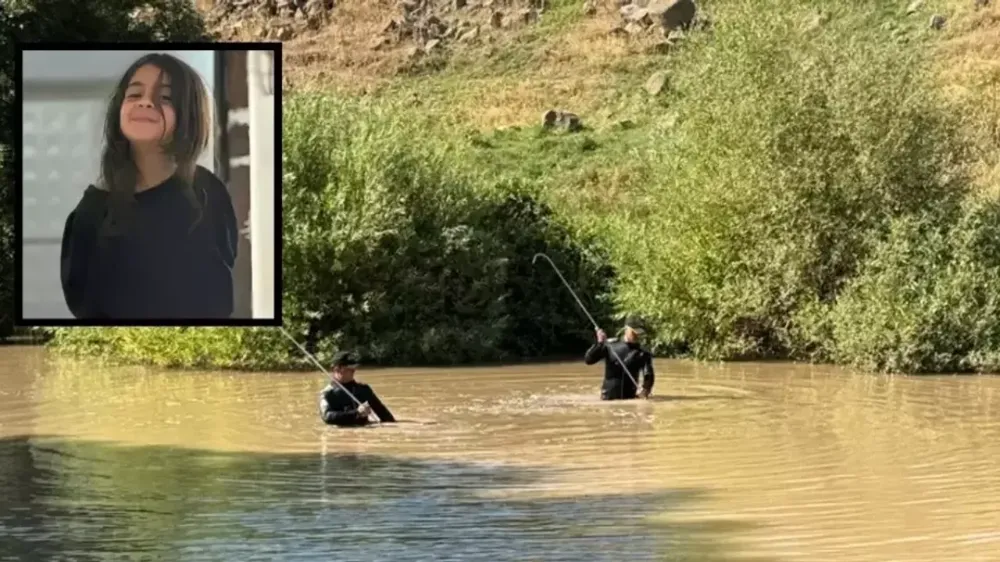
[
  {"x": 617, "y": 384},
  {"x": 337, "y": 408},
  {"x": 160, "y": 268}
]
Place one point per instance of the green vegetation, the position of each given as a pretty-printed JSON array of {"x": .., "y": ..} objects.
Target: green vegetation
[
  {"x": 800, "y": 191},
  {"x": 929, "y": 298}
]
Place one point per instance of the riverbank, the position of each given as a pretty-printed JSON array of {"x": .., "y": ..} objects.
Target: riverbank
[{"x": 776, "y": 182}]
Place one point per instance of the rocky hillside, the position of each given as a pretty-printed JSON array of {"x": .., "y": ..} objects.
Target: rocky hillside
[
  {"x": 500, "y": 63},
  {"x": 382, "y": 39}
]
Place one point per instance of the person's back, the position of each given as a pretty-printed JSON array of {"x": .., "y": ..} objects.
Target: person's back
[{"x": 618, "y": 382}]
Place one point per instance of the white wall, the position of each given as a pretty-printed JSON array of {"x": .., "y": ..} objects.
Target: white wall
[
  {"x": 62, "y": 137},
  {"x": 260, "y": 89}
]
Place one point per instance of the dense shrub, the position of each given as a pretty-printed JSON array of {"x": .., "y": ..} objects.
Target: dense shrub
[
  {"x": 392, "y": 244},
  {"x": 794, "y": 149},
  {"x": 928, "y": 299}
]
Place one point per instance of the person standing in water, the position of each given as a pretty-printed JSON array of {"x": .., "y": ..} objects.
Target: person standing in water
[
  {"x": 617, "y": 383},
  {"x": 336, "y": 407},
  {"x": 156, "y": 237}
]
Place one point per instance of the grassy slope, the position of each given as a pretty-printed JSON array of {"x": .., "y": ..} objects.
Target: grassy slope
[{"x": 569, "y": 61}]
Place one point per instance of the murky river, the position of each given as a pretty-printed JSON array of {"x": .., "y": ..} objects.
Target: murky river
[{"x": 726, "y": 463}]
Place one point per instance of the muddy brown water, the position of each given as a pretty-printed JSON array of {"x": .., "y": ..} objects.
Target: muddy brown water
[{"x": 762, "y": 462}]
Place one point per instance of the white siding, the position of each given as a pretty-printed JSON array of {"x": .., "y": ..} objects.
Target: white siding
[{"x": 61, "y": 146}]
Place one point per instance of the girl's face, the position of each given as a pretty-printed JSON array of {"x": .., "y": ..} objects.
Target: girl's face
[{"x": 147, "y": 114}]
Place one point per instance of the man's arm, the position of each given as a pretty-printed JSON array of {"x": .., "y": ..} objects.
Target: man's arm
[
  {"x": 380, "y": 410},
  {"x": 648, "y": 375},
  {"x": 596, "y": 352}
]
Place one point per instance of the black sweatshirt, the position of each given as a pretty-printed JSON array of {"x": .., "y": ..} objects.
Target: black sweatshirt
[
  {"x": 160, "y": 268},
  {"x": 617, "y": 385},
  {"x": 337, "y": 408}
]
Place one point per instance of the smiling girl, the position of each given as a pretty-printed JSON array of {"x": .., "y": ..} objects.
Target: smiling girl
[{"x": 156, "y": 238}]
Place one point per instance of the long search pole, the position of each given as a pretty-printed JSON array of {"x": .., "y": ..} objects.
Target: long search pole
[{"x": 592, "y": 321}]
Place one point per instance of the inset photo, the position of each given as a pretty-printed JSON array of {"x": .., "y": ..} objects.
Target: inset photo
[{"x": 150, "y": 184}]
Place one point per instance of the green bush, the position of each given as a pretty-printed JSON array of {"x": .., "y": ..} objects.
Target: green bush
[
  {"x": 393, "y": 245},
  {"x": 395, "y": 248},
  {"x": 793, "y": 150},
  {"x": 928, "y": 299},
  {"x": 227, "y": 348}
]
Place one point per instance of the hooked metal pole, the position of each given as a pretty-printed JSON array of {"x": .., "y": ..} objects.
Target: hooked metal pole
[{"x": 592, "y": 321}]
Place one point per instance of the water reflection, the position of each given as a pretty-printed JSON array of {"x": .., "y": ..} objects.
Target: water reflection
[{"x": 96, "y": 501}]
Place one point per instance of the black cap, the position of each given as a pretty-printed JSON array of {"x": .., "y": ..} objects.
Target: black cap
[
  {"x": 345, "y": 359},
  {"x": 635, "y": 323}
]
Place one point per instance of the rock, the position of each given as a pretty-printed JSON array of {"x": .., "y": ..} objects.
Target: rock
[
  {"x": 413, "y": 52},
  {"x": 633, "y": 28},
  {"x": 617, "y": 31},
  {"x": 914, "y": 7},
  {"x": 937, "y": 21},
  {"x": 314, "y": 8},
  {"x": 633, "y": 13},
  {"x": 672, "y": 14},
  {"x": 431, "y": 44},
  {"x": 284, "y": 33},
  {"x": 589, "y": 8},
  {"x": 550, "y": 119},
  {"x": 433, "y": 28},
  {"x": 470, "y": 35},
  {"x": 393, "y": 25},
  {"x": 496, "y": 19},
  {"x": 571, "y": 121},
  {"x": 554, "y": 118},
  {"x": 655, "y": 84},
  {"x": 379, "y": 42},
  {"x": 660, "y": 48}
]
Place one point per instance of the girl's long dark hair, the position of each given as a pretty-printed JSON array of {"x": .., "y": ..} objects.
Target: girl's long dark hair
[{"x": 190, "y": 138}]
